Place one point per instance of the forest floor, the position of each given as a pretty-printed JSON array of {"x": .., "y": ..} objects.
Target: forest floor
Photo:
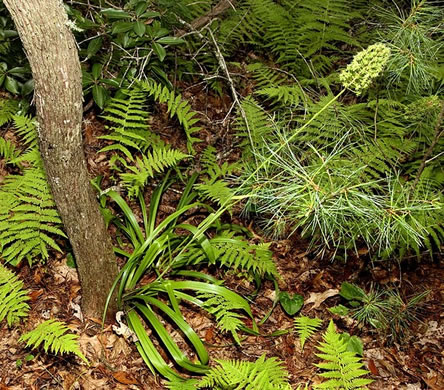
[{"x": 417, "y": 363}]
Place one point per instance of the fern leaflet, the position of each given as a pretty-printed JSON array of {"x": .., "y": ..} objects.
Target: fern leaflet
[
  {"x": 343, "y": 368},
  {"x": 13, "y": 297},
  {"x": 152, "y": 162},
  {"x": 53, "y": 334},
  {"x": 306, "y": 327},
  {"x": 177, "y": 107},
  {"x": 264, "y": 374},
  {"x": 28, "y": 217}
]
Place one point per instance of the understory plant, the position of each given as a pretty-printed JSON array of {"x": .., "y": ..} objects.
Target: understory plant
[
  {"x": 386, "y": 310},
  {"x": 13, "y": 297},
  {"x": 55, "y": 337},
  {"x": 29, "y": 221},
  {"x": 161, "y": 274}
]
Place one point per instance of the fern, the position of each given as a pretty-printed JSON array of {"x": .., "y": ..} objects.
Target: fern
[
  {"x": 26, "y": 127},
  {"x": 228, "y": 320},
  {"x": 292, "y": 30},
  {"x": 214, "y": 187},
  {"x": 234, "y": 252},
  {"x": 13, "y": 297},
  {"x": 7, "y": 150},
  {"x": 152, "y": 162},
  {"x": 8, "y": 108},
  {"x": 28, "y": 217},
  {"x": 218, "y": 192},
  {"x": 53, "y": 334},
  {"x": 264, "y": 374},
  {"x": 259, "y": 126},
  {"x": 285, "y": 95},
  {"x": 213, "y": 168},
  {"x": 266, "y": 77},
  {"x": 306, "y": 327},
  {"x": 177, "y": 107},
  {"x": 130, "y": 130},
  {"x": 343, "y": 368}
]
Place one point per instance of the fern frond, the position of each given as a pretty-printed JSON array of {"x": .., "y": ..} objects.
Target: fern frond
[
  {"x": 8, "y": 108},
  {"x": 28, "y": 217},
  {"x": 177, "y": 107},
  {"x": 284, "y": 95},
  {"x": 7, "y": 150},
  {"x": 152, "y": 162},
  {"x": 13, "y": 297},
  {"x": 218, "y": 192},
  {"x": 213, "y": 168},
  {"x": 130, "y": 129},
  {"x": 266, "y": 77},
  {"x": 306, "y": 327},
  {"x": 237, "y": 253},
  {"x": 259, "y": 126},
  {"x": 343, "y": 368},
  {"x": 26, "y": 127},
  {"x": 53, "y": 334},
  {"x": 264, "y": 374},
  {"x": 223, "y": 309}
]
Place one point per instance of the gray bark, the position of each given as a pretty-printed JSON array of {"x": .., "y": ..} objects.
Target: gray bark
[{"x": 52, "y": 54}]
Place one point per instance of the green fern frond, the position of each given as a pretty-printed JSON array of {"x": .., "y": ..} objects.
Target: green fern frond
[
  {"x": 218, "y": 191},
  {"x": 26, "y": 127},
  {"x": 214, "y": 187},
  {"x": 237, "y": 253},
  {"x": 284, "y": 95},
  {"x": 213, "y": 168},
  {"x": 152, "y": 162},
  {"x": 7, "y": 150},
  {"x": 130, "y": 129},
  {"x": 13, "y": 297},
  {"x": 343, "y": 369},
  {"x": 223, "y": 309},
  {"x": 8, "y": 108},
  {"x": 264, "y": 374},
  {"x": 259, "y": 126},
  {"x": 306, "y": 327},
  {"x": 177, "y": 107},
  {"x": 53, "y": 334},
  {"x": 266, "y": 77},
  {"x": 28, "y": 217}
]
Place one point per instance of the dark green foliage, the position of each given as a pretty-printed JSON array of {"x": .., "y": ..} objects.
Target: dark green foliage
[
  {"x": 177, "y": 107},
  {"x": 13, "y": 297},
  {"x": 295, "y": 32},
  {"x": 174, "y": 260},
  {"x": 55, "y": 338}
]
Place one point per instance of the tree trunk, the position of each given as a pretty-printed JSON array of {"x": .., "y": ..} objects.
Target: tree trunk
[{"x": 52, "y": 54}]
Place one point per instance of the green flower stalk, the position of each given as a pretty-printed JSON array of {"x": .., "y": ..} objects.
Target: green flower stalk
[{"x": 365, "y": 67}]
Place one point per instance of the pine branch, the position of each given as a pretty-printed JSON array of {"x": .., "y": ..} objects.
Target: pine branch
[{"x": 438, "y": 133}]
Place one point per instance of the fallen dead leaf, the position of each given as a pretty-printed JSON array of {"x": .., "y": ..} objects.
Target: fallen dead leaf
[
  {"x": 318, "y": 298},
  {"x": 372, "y": 367},
  {"x": 124, "y": 378}
]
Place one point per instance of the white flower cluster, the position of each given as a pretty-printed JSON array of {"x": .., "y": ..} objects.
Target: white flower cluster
[
  {"x": 72, "y": 26},
  {"x": 365, "y": 67}
]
